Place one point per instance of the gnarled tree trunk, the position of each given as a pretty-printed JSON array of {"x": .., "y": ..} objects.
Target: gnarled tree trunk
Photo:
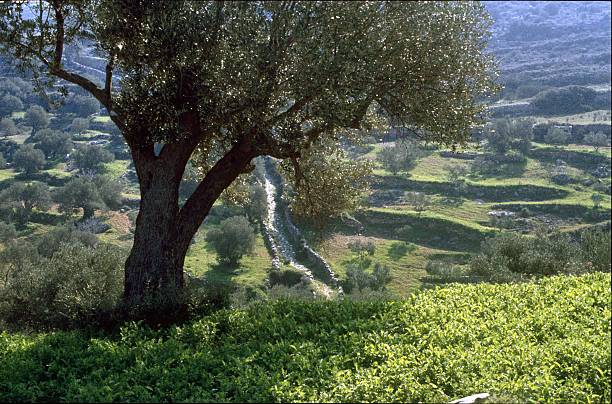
[{"x": 154, "y": 268}]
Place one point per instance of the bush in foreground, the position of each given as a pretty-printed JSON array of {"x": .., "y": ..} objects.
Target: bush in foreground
[{"x": 546, "y": 341}]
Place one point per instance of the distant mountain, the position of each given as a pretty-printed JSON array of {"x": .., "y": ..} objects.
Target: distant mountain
[{"x": 551, "y": 44}]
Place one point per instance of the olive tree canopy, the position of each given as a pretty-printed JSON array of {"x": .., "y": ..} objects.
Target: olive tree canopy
[{"x": 231, "y": 81}]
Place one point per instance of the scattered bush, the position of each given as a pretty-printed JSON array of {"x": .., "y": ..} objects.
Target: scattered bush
[
  {"x": 91, "y": 158},
  {"x": 8, "y": 127},
  {"x": 357, "y": 279},
  {"x": 77, "y": 193},
  {"x": 9, "y": 104},
  {"x": 18, "y": 201},
  {"x": 232, "y": 239},
  {"x": 77, "y": 285},
  {"x": 286, "y": 277},
  {"x": 510, "y": 256},
  {"x": 28, "y": 159},
  {"x": 597, "y": 140},
  {"x": 49, "y": 243},
  {"x": 418, "y": 200},
  {"x": 400, "y": 157},
  {"x": 7, "y": 232},
  {"x": 398, "y": 249},
  {"x": 37, "y": 117},
  {"x": 556, "y": 135},
  {"x": 54, "y": 144}
]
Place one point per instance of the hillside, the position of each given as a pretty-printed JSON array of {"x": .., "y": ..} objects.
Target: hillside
[{"x": 546, "y": 341}]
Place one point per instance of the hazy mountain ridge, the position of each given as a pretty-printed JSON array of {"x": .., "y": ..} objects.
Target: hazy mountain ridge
[{"x": 550, "y": 44}]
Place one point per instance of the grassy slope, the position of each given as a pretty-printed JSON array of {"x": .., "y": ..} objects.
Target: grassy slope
[
  {"x": 546, "y": 341},
  {"x": 432, "y": 228}
]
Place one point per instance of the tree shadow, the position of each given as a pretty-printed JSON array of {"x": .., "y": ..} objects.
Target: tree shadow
[{"x": 45, "y": 177}]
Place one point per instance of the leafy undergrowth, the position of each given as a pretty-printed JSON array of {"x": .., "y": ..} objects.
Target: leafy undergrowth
[{"x": 547, "y": 341}]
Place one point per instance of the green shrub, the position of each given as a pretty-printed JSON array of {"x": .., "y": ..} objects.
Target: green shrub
[
  {"x": 7, "y": 232},
  {"x": 28, "y": 159},
  {"x": 232, "y": 239},
  {"x": 547, "y": 341},
  {"x": 287, "y": 277},
  {"x": 595, "y": 248},
  {"x": 509, "y": 255},
  {"x": 76, "y": 286},
  {"x": 51, "y": 242},
  {"x": 357, "y": 279}
]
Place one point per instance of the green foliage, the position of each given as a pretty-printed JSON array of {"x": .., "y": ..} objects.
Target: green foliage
[
  {"x": 597, "y": 199},
  {"x": 79, "y": 192},
  {"x": 358, "y": 279},
  {"x": 400, "y": 157},
  {"x": 18, "y": 200},
  {"x": 28, "y": 159},
  {"x": 91, "y": 158},
  {"x": 546, "y": 341},
  {"x": 8, "y": 127},
  {"x": 597, "y": 140},
  {"x": 509, "y": 256},
  {"x": 327, "y": 184},
  {"x": 595, "y": 249},
  {"x": 79, "y": 125},
  {"x": 49, "y": 243},
  {"x": 257, "y": 206},
  {"x": 53, "y": 143},
  {"x": 287, "y": 277},
  {"x": 7, "y": 232},
  {"x": 566, "y": 100},
  {"x": 418, "y": 200},
  {"x": 232, "y": 239},
  {"x": 37, "y": 117},
  {"x": 556, "y": 135},
  {"x": 398, "y": 249},
  {"x": 77, "y": 285},
  {"x": 9, "y": 104}
]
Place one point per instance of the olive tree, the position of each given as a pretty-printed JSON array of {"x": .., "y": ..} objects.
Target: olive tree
[
  {"x": 20, "y": 199},
  {"x": 28, "y": 159},
  {"x": 37, "y": 117},
  {"x": 230, "y": 81}
]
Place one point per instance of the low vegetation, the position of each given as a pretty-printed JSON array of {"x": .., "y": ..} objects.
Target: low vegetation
[{"x": 534, "y": 341}]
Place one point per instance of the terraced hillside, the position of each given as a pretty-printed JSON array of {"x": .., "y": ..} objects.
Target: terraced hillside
[{"x": 460, "y": 215}]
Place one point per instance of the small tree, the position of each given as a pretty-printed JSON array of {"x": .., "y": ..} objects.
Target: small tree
[
  {"x": 257, "y": 206},
  {"x": 55, "y": 144},
  {"x": 8, "y": 127},
  {"x": 37, "y": 117},
  {"x": 400, "y": 157},
  {"x": 456, "y": 174},
  {"x": 232, "y": 239},
  {"x": 7, "y": 232},
  {"x": 79, "y": 193},
  {"x": 91, "y": 158},
  {"x": 79, "y": 125},
  {"x": 418, "y": 200},
  {"x": 20, "y": 199},
  {"x": 110, "y": 191},
  {"x": 9, "y": 104},
  {"x": 2, "y": 161},
  {"x": 597, "y": 199},
  {"x": 28, "y": 159},
  {"x": 596, "y": 140},
  {"x": 556, "y": 135}
]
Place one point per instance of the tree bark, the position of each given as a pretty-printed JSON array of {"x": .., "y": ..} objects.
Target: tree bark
[{"x": 154, "y": 268}]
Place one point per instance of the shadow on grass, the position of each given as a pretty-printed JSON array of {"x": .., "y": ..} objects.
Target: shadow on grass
[{"x": 45, "y": 177}]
